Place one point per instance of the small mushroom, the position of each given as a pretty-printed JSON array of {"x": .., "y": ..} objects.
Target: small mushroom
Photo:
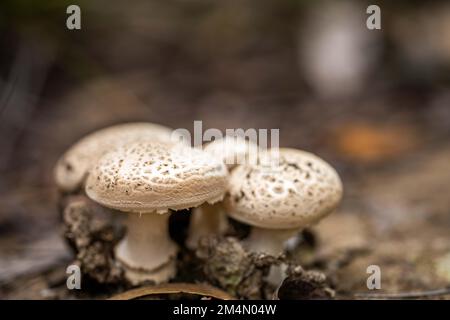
[
  {"x": 73, "y": 167},
  {"x": 211, "y": 219},
  {"x": 279, "y": 198},
  {"x": 146, "y": 180}
]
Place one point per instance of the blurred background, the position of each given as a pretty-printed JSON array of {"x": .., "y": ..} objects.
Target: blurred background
[{"x": 373, "y": 103}]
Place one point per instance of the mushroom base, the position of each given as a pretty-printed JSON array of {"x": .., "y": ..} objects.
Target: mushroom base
[{"x": 163, "y": 274}]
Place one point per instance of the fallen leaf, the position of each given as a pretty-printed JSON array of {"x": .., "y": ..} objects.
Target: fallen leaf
[{"x": 190, "y": 288}]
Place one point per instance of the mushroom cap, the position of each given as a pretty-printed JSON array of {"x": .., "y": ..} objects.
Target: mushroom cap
[
  {"x": 233, "y": 150},
  {"x": 297, "y": 190},
  {"x": 148, "y": 176},
  {"x": 72, "y": 168}
]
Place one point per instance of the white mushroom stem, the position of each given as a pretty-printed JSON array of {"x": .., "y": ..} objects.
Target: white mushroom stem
[
  {"x": 147, "y": 245},
  {"x": 208, "y": 219},
  {"x": 271, "y": 241}
]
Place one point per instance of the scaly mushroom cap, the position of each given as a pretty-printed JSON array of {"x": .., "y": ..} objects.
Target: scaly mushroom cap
[
  {"x": 296, "y": 191},
  {"x": 148, "y": 176},
  {"x": 233, "y": 150},
  {"x": 73, "y": 167}
]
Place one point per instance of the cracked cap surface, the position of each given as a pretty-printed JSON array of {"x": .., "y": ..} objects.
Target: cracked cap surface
[
  {"x": 149, "y": 176},
  {"x": 296, "y": 191}
]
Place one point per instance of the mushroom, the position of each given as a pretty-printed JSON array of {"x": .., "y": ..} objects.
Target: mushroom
[
  {"x": 73, "y": 167},
  {"x": 282, "y": 197},
  {"x": 211, "y": 219},
  {"x": 147, "y": 179},
  {"x": 233, "y": 151}
]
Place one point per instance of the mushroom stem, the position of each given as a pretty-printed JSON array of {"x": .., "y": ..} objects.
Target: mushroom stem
[
  {"x": 147, "y": 245},
  {"x": 270, "y": 241},
  {"x": 207, "y": 219}
]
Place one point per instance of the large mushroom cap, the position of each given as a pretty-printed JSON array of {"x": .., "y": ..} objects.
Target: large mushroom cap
[
  {"x": 147, "y": 176},
  {"x": 233, "y": 150},
  {"x": 293, "y": 192},
  {"x": 73, "y": 167}
]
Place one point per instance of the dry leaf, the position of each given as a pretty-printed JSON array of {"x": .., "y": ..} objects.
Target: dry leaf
[{"x": 191, "y": 288}]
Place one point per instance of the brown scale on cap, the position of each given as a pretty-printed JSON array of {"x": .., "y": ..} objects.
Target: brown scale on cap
[
  {"x": 299, "y": 190},
  {"x": 149, "y": 176},
  {"x": 73, "y": 167}
]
